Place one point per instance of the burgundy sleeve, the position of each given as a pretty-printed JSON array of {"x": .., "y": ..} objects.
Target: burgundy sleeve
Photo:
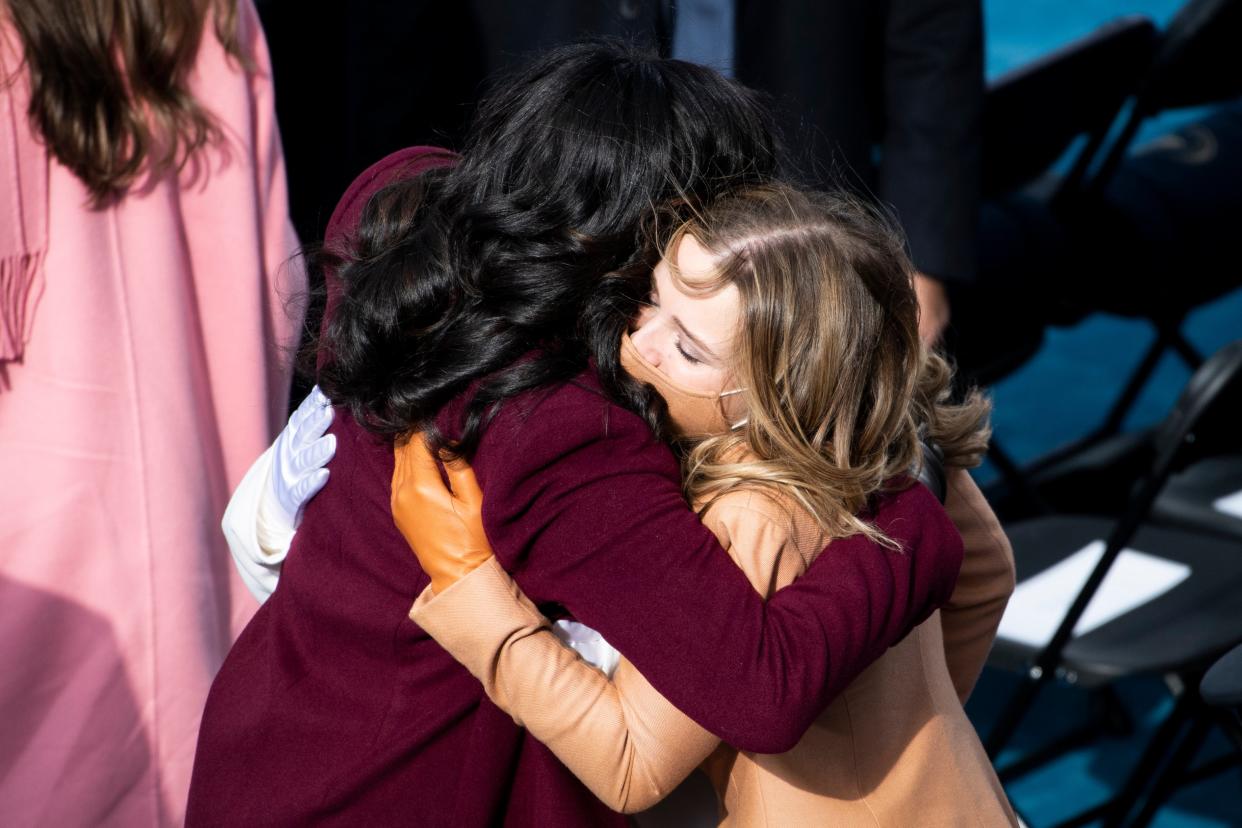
[
  {"x": 400, "y": 165},
  {"x": 584, "y": 508}
]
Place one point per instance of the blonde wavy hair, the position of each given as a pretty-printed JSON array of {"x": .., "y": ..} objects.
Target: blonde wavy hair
[{"x": 836, "y": 382}]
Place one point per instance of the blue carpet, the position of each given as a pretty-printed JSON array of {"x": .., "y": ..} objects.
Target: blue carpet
[{"x": 1061, "y": 395}]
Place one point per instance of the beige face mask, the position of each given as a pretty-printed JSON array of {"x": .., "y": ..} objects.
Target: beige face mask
[{"x": 695, "y": 414}]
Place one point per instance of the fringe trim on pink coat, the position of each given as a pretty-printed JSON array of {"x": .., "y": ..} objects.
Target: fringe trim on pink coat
[{"x": 23, "y": 210}]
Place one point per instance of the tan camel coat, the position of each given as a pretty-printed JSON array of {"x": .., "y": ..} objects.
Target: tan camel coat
[{"x": 894, "y": 749}]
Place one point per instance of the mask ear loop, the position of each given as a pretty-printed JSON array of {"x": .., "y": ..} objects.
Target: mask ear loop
[{"x": 740, "y": 423}]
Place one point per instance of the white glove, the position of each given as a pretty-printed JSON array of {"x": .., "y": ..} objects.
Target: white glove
[
  {"x": 267, "y": 506},
  {"x": 299, "y": 456},
  {"x": 256, "y": 554}
]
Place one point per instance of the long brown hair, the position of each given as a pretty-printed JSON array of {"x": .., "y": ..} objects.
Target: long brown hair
[
  {"x": 836, "y": 382},
  {"x": 108, "y": 83}
]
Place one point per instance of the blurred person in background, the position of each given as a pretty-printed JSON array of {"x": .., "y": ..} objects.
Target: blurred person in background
[
  {"x": 144, "y": 286},
  {"x": 883, "y": 95}
]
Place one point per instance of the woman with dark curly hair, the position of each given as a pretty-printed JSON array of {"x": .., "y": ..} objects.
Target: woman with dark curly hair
[{"x": 483, "y": 304}]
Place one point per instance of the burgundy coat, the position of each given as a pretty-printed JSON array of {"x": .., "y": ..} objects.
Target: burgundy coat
[{"x": 333, "y": 707}]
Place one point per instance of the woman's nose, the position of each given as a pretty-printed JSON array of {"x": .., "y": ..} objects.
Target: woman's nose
[{"x": 644, "y": 340}]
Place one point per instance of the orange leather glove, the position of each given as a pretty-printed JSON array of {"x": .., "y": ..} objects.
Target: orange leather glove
[{"x": 443, "y": 527}]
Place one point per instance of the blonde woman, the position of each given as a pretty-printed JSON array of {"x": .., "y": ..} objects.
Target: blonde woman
[{"x": 783, "y": 335}]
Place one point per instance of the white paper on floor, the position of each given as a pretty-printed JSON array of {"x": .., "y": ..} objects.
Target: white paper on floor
[
  {"x": 1230, "y": 505},
  {"x": 1040, "y": 602}
]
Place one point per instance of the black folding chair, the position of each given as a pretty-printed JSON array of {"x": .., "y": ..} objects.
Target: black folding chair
[
  {"x": 1176, "y": 634},
  {"x": 1195, "y": 60},
  {"x": 1034, "y": 114},
  {"x": 1222, "y": 688},
  {"x": 1221, "y": 691},
  {"x": 1206, "y": 496}
]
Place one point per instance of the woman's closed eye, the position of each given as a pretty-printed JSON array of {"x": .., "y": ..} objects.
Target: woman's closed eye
[{"x": 689, "y": 357}]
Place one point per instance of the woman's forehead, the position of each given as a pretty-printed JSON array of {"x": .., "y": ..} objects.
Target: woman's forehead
[
  {"x": 710, "y": 317},
  {"x": 695, "y": 263}
]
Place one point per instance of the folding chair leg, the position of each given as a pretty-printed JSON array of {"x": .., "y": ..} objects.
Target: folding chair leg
[
  {"x": 1117, "y": 414},
  {"x": 1107, "y": 717},
  {"x": 1175, "y": 771},
  {"x": 1019, "y": 704},
  {"x": 1108, "y": 707},
  {"x": 1076, "y": 738},
  {"x": 1232, "y": 725},
  {"x": 1189, "y": 353},
  {"x": 1213, "y": 767},
  {"x": 1157, "y": 748}
]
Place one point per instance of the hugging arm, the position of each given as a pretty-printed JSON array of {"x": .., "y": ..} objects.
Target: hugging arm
[
  {"x": 627, "y": 744},
  {"x": 972, "y": 614},
  {"x": 587, "y": 511}
]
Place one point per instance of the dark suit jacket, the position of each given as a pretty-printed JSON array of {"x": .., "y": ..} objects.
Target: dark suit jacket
[{"x": 894, "y": 81}]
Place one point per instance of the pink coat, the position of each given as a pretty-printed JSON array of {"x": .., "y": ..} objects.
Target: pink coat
[{"x": 157, "y": 344}]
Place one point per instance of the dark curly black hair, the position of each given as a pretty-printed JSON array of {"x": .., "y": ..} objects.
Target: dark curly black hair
[{"x": 521, "y": 263}]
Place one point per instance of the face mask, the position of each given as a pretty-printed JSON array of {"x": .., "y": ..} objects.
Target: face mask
[{"x": 694, "y": 414}]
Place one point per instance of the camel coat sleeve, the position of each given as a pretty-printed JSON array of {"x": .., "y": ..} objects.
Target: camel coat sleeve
[
  {"x": 970, "y": 619},
  {"x": 624, "y": 740}
]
